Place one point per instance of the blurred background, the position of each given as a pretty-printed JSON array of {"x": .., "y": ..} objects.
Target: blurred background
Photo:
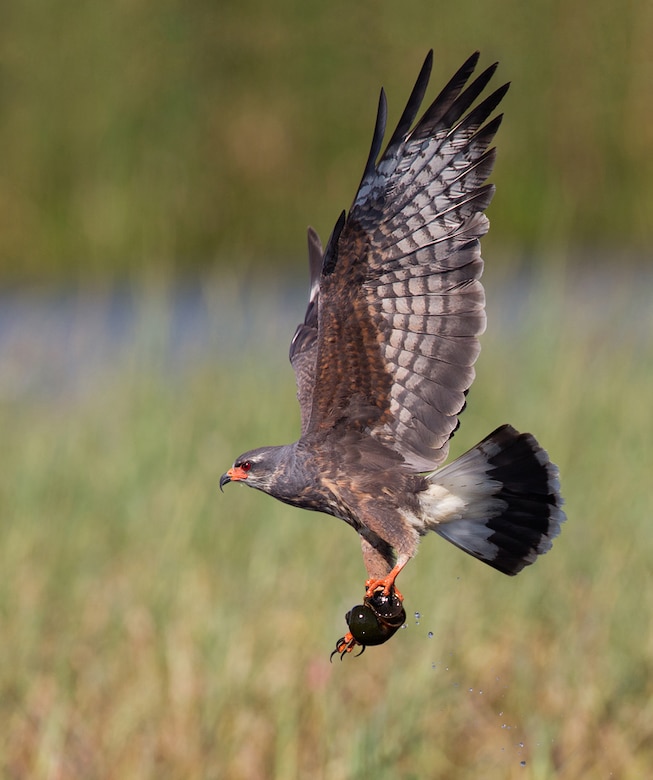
[
  {"x": 186, "y": 136},
  {"x": 160, "y": 165}
]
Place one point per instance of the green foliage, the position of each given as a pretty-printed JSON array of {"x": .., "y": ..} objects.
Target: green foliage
[
  {"x": 150, "y": 133},
  {"x": 154, "y": 628}
]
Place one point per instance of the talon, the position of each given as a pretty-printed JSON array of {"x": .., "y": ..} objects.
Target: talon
[
  {"x": 345, "y": 645},
  {"x": 388, "y": 585}
]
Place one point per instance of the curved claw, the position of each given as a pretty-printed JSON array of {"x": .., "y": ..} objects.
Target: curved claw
[{"x": 345, "y": 645}]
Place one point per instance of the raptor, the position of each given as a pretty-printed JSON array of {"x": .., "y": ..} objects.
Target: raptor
[{"x": 385, "y": 356}]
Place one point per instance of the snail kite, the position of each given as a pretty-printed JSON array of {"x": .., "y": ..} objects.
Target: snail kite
[{"x": 385, "y": 356}]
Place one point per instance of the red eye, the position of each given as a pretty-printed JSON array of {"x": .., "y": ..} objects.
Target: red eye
[{"x": 246, "y": 466}]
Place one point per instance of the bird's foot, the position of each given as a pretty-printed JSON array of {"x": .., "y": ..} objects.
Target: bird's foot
[
  {"x": 387, "y": 584},
  {"x": 371, "y": 623},
  {"x": 346, "y": 644}
]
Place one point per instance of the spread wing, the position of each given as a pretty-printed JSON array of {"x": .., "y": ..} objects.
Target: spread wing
[
  {"x": 303, "y": 347},
  {"x": 400, "y": 302}
]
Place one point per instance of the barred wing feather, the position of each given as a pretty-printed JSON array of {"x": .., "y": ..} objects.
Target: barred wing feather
[{"x": 400, "y": 302}]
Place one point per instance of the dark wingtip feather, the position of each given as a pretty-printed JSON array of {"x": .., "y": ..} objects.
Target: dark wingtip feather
[
  {"x": 466, "y": 98},
  {"x": 447, "y": 97},
  {"x": 413, "y": 104},
  {"x": 377, "y": 138},
  {"x": 482, "y": 111},
  {"x": 331, "y": 252}
]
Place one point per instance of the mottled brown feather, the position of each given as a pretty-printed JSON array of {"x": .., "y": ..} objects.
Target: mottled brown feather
[{"x": 353, "y": 379}]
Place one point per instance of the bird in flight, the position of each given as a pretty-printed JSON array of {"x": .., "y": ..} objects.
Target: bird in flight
[{"x": 385, "y": 356}]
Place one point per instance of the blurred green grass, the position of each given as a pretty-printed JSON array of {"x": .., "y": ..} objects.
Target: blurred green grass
[
  {"x": 154, "y": 628},
  {"x": 155, "y": 134}
]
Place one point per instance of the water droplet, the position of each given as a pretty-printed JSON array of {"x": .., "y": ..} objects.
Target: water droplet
[
  {"x": 521, "y": 744},
  {"x": 430, "y": 635},
  {"x": 417, "y": 617},
  {"x": 522, "y": 763}
]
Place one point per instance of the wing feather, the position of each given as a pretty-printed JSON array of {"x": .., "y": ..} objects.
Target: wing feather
[
  {"x": 400, "y": 302},
  {"x": 303, "y": 347}
]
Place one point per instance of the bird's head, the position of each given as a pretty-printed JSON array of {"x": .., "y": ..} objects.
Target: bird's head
[{"x": 256, "y": 468}]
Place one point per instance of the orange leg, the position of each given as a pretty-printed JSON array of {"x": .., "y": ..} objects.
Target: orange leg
[{"x": 387, "y": 583}]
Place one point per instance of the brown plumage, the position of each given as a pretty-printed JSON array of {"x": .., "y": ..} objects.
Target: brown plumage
[{"x": 386, "y": 353}]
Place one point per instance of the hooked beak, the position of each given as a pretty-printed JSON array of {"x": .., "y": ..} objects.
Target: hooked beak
[{"x": 233, "y": 475}]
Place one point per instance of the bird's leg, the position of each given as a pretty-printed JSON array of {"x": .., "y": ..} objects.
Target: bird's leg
[
  {"x": 387, "y": 582},
  {"x": 379, "y": 560}
]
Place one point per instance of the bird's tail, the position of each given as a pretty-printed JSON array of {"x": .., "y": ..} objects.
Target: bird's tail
[{"x": 499, "y": 502}]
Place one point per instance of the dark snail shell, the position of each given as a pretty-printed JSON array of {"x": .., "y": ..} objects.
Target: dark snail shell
[{"x": 377, "y": 619}]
